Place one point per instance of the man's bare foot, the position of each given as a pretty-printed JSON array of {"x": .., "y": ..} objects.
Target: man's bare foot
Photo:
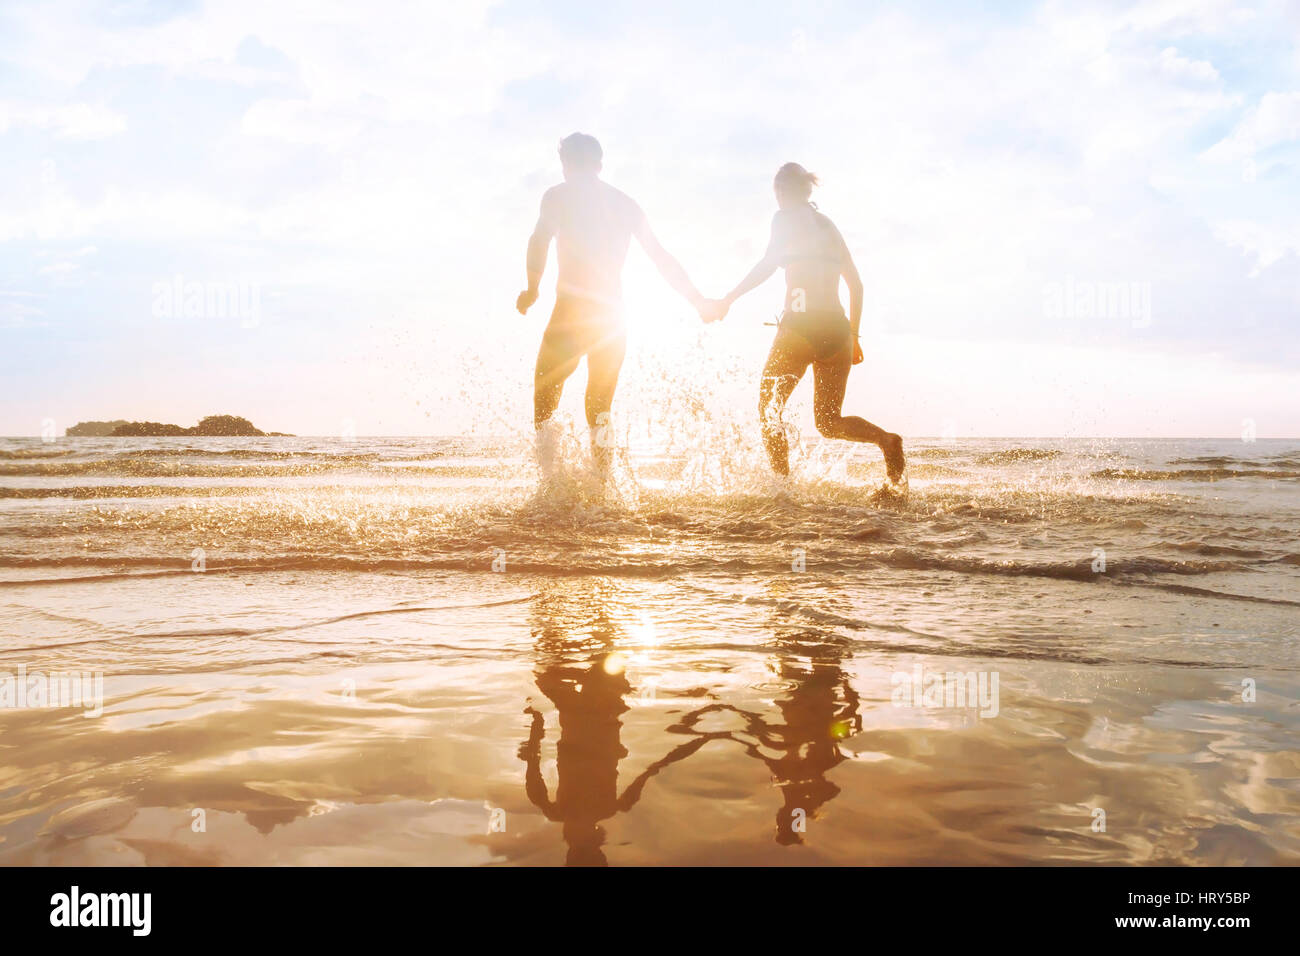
[{"x": 892, "y": 447}]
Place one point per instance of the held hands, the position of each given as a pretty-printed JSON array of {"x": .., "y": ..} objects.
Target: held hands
[
  {"x": 526, "y": 299},
  {"x": 713, "y": 310},
  {"x": 857, "y": 352}
]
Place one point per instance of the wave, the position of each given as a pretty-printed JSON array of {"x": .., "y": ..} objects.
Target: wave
[
  {"x": 24, "y": 454},
  {"x": 1284, "y": 460},
  {"x": 274, "y": 455},
  {"x": 1221, "y": 595},
  {"x": 295, "y": 511},
  {"x": 928, "y": 454},
  {"x": 264, "y": 453},
  {"x": 1012, "y": 455},
  {"x": 539, "y": 558},
  {"x": 1192, "y": 474},
  {"x": 109, "y": 492},
  {"x": 145, "y": 468},
  {"x": 267, "y": 631},
  {"x": 1206, "y": 549}
]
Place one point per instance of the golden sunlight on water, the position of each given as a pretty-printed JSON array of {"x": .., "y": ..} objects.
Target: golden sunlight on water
[{"x": 363, "y": 670}]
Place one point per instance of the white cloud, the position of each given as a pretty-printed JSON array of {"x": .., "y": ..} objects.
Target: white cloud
[
  {"x": 294, "y": 121},
  {"x": 1275, "y": 120},
  {"x": 1181, "y": 67},
  {"x": 1181, "y": 17},
  {"x": 76, "y": 121},
  {"x": 18, "y": 311},
  {"x": 1267, "y": 243}
]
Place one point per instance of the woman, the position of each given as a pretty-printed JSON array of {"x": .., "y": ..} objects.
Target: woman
[{"x": 813, "y": 328}]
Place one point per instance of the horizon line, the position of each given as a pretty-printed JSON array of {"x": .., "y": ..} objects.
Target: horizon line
[{"x": 912, "y": 437}]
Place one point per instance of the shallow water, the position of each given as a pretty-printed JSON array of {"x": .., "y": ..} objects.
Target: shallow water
[{"x": 398, "y": 651}]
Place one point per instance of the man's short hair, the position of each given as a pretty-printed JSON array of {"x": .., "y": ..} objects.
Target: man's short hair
[{"x": 580, "y": 151}]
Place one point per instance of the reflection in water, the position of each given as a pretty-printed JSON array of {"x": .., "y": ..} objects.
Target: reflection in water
[
  {"x": 576, "y": 631},
  {"x": 819, "y": 710}
]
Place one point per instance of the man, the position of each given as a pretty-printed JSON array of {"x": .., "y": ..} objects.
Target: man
[{"x": 592, "y": 224}]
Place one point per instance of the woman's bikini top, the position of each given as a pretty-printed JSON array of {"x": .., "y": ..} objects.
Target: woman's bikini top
[{"x": 799, "y": 239}]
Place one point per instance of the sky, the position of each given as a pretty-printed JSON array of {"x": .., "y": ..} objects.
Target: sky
[{"x": 1076, "y": 219}]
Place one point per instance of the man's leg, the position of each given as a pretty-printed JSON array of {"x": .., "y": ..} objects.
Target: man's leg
[
  {"x": 829, "y": 382},
  {"x": 604, "y": 362},
  {"x": 557, "y": 359}
]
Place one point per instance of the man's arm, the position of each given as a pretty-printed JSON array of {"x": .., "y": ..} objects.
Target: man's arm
[
  {"x": 538, "y": 244},
  {"x": 531, "y": 754},
  {"x": 668, "y": 267}
]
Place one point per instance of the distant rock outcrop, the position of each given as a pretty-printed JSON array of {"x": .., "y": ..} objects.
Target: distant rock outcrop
[
  {"x": 220, "y": 426},
  {"x": 153, "y": 429},
  {"x": 94, "y": 429},
  {"x": 226, "y": 425}
]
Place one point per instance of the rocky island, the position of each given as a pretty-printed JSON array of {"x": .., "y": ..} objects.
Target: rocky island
[{"x": 213, "y": 426}]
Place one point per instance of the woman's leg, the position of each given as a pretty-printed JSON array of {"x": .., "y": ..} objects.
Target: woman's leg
[
  {"x": 830, "y": 378},
  {"x": 786, "y": 364}
]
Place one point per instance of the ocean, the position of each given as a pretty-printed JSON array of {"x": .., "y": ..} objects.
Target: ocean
[{"x": 400, "y": 651}]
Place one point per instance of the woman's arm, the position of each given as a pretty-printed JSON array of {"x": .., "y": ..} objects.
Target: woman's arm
[
  {"x": 850, "y": 273},
  {"x": 757, "y": 276},
  {"x": 770, "y": 262}
]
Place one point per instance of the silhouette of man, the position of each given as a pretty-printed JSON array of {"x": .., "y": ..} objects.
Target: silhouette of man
[
  {"x": 576, "y": 633},
  {"x": 592, "y": 224}
]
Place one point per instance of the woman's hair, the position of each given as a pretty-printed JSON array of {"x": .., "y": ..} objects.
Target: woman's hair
[{"x": 794, "y": 180}]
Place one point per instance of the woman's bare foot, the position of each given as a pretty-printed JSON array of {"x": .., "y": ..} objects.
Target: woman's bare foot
[{"x": 892, "y": 447}]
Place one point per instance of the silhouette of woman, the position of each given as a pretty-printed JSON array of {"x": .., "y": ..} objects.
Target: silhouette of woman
[
  {"x": 813, "y": 329},
  {"x": 801, "y": 745},
  {"x": 820, "y": 710}
]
